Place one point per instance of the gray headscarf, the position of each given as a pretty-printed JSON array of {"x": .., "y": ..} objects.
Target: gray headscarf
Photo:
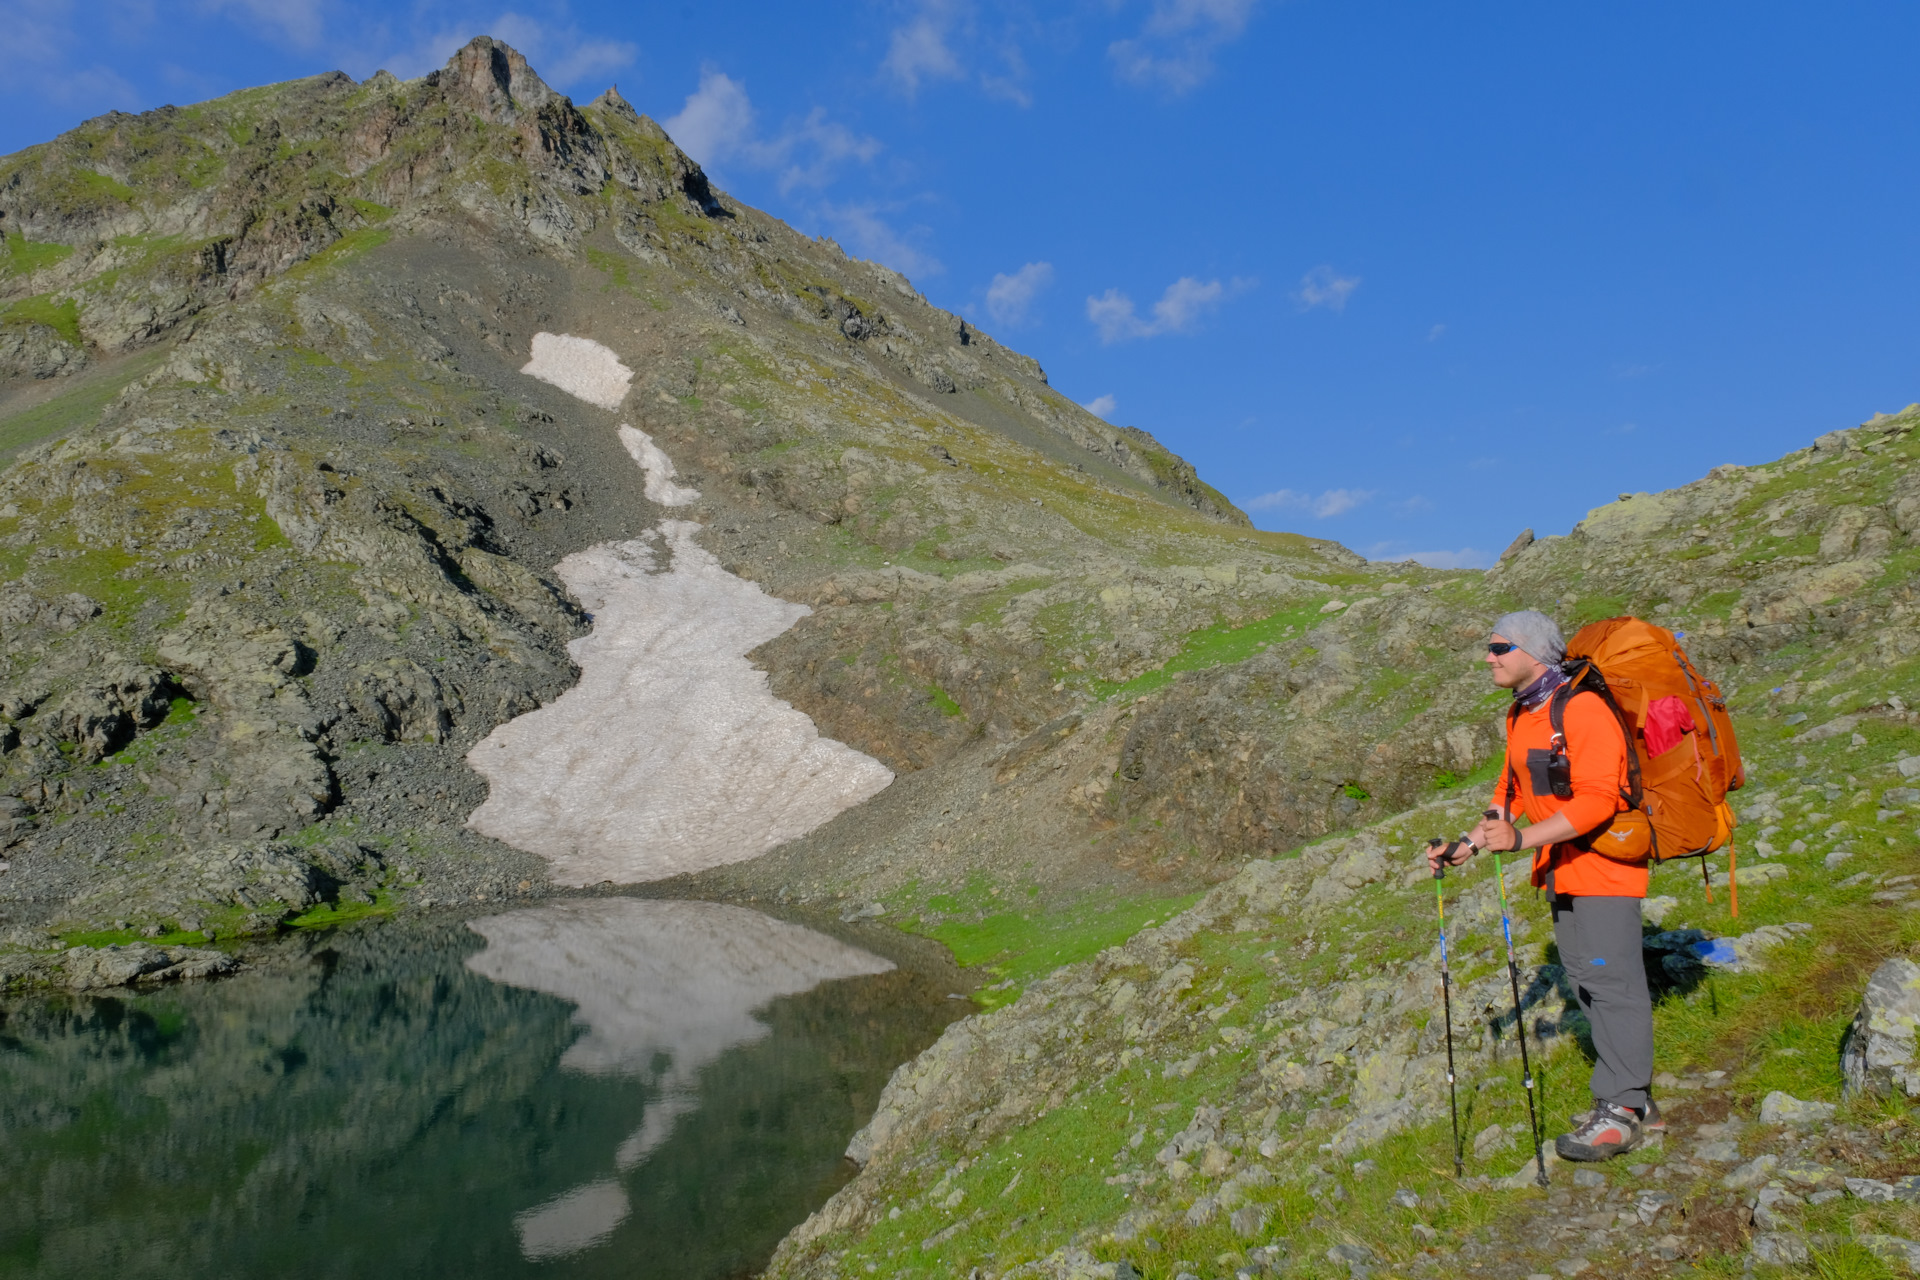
[{"x": 1535, "y": 633}]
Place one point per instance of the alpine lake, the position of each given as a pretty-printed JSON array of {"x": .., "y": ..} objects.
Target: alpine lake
[{"x": 607, "y": 1086}]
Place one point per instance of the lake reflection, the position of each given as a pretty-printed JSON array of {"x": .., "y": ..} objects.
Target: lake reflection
[
  {"x": 611, "y": 1087},
  {"x": 663, "y": 990}
]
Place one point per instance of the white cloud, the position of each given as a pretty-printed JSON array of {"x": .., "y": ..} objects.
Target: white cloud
[
  {"x": 44, "y": 41},
  {"x": 1174, "y": 50},
  {"x": 1464, "y": 558},
  {"x": 920, "y": 49},
  {"x": 1436, "y": 333},
  {"x": 1178, "y": 311},
  {"x": 825, "y": 144},
  {"x": 1416, "y": 505},
  {"x": 873, "y": 237},
  {"x": 1330, "y": 503},
  {"x": 299, "y": 23},
  {"x": 1101, "y": 406},
  {"x": 945, "y": 40},
  {"x": 716, "y": 125},
  {"x": 716, "y": 121},
  {"x": 1009, "y": 296},
  {"x": 1323, "y": 287}
]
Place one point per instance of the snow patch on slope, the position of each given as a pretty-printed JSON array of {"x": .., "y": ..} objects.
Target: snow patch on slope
[
  {"x": 657, "y": 467},
  {"x": 671, "y": 754},
  {"x": 580, "y": 367}
]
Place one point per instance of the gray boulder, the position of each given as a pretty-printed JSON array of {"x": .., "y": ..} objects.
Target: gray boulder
[
  {"x": 142, "y": 963},
  {"x": 1878, "y": 1056}
]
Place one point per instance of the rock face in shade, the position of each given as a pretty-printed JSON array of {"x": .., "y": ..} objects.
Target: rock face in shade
[
  {"x": 670, "y": 755},
  {"x": 663, "y": 989}
]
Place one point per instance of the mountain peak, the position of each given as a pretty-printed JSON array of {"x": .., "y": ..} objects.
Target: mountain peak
[{"x": 492, "y": 78}]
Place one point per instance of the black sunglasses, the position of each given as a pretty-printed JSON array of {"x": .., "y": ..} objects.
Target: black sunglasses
[{"x": 1500, "y": 648}]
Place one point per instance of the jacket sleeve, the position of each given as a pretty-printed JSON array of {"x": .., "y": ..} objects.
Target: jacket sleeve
[{"x": 1598, "y": 754}]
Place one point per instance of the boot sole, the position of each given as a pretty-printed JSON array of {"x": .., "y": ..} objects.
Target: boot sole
[{"x": 1581, "y": 1153}]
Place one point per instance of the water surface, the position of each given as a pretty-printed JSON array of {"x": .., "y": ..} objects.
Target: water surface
[{"x": 605, "y": 1087}]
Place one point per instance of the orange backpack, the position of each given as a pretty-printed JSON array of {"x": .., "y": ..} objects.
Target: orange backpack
[{"x": 1663, "y": 702}]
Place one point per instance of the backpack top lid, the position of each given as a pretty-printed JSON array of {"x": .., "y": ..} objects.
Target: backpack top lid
[{"x": 1642, "y": 663}]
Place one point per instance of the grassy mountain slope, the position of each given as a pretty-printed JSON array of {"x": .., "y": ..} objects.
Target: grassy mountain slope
[{"x": 1249, "y": 1086}]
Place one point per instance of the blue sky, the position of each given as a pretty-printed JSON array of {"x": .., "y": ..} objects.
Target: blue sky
[{"x": 1412, "y": 276}]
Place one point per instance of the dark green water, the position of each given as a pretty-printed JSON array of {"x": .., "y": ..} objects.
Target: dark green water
[{"x": 608, "y": 1088}]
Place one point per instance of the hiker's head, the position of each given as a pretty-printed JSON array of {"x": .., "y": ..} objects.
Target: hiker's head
[{"x": 1522, "y": 647}]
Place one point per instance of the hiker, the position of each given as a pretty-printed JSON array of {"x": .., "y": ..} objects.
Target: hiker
[{"x": 1596, "y": 897}]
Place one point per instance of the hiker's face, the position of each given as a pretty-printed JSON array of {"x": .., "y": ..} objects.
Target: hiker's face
[{"x": 1514, "y": 669}]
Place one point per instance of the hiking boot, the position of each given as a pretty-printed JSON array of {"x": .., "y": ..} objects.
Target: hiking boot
[
  {"x": 1608, "y": 1131},
  {"x": 1652, "y": 1123}
]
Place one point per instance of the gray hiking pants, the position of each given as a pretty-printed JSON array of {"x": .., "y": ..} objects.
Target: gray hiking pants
[{"x": 1600, "y": 946}]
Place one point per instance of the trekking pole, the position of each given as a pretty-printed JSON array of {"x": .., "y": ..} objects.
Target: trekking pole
[
  {"x": 1519, "y": 1018},
  {"x": 1446, "y": 1007}
]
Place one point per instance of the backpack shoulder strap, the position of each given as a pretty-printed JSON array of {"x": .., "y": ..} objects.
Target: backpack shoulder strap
[
  {"x": 1589, "y": 680},
  {"x": 1513, "y": 783}
]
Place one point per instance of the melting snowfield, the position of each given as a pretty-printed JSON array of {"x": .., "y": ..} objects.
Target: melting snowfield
[
  {"x": 663, "y": 990},
  {"x": 671, "y": 754}
]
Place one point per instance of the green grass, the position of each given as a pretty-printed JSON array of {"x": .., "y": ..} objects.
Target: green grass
[
  {"x": 943, "y": 700},
  {"x": 1848, "y": 1261},
  {"x": 63, "y": 317},
  {"x": 1018, "y": 946},
  {"x": 24, "y": 256},
  {"x": 75, "y": 408},
  {"x": 1215, "y": 646},
  {"x": 328, "y": 914}
]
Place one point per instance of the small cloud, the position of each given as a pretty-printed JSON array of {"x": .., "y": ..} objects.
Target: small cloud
[
  {"x": 873, "y": 237},
  {"x": 294, "y": 22},
  {"x": 1630, "y": 371},
  {"x": 1332, "y": 502},
  {"x": 1174, "y": 50},
  {"x": 829, "y": 142},
  {"x": 716, "y": 125},
  {"x": 1178, "y": 310},
  {"x": 1624, "y": 429},
  {"x": 943, "y": 41},
  {"x": 1101, "y": 406},
  {"x": 715, "y": 122},
  {"x": 1322, "y": 287},
  {"x": 1416, "y": 505},
  {"x": 1434, "y": 334},
  {"x": 1464, "y": 558},
  {"x": 1009, "y": 296},
  {"x": 920, "y": 50}
]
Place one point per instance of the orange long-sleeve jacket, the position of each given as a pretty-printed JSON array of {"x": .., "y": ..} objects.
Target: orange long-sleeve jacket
[{"x": 1597, "y": 754}]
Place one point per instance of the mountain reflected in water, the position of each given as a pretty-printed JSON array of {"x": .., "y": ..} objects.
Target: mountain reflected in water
[{"x": 605, "y": 1087}]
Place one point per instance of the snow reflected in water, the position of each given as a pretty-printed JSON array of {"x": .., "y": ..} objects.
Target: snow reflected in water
[{"x": 662, "y": 990}]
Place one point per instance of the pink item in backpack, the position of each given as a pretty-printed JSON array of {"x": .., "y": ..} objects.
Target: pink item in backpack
[{"x": 1668, "y": 721}]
